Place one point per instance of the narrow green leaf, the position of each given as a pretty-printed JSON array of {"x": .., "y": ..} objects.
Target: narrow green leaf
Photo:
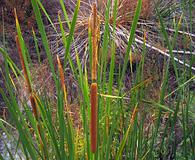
[
  {"x": 71, "y": 33},
  {"x": 131, "y": 39},
  {"x": 43, "y": 36}
]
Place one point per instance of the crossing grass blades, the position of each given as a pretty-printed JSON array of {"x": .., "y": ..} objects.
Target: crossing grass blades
[{"x": 98, "y": 43}]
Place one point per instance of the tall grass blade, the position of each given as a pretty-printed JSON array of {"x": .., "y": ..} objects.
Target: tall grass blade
[
  {"x": 130, "y": 41},
  {"x": 71, "y": 33},
  {"x": 43, "y": 36}
]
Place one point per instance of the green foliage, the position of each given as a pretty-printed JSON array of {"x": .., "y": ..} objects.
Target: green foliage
[{"x": 122, "y": 133}]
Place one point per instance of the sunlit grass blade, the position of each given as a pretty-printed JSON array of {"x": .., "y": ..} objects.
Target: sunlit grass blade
[
  {"x": 65, "y": 13},
  {"x": 64, "y": 39},
  {"x": 11, "y": 64}
]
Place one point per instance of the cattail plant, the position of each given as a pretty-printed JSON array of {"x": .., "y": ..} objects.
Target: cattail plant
[
  {"x": 62, "y": 80},
  {"x": 129, "y": 121},
  {"x": 29, "y": 87},
  {"x": 30, "y": 91},
  {"x": 28, "y": 83},
  {"x": 94, "y": 28}
]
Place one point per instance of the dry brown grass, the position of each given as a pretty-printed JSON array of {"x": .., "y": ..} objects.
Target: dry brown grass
[
  {"x": 127, "y": 9},
  {"x": 23, "y": 8},
  {"x": 125, "y": 13}
]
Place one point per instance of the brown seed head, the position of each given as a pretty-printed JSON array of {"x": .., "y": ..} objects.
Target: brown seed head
[{"x": 93, "y": 130}]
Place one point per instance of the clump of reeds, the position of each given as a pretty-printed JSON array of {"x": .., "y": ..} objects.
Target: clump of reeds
[
  {"x": 119, "y": 138},
  {"x": 30, "y": 91},
  {"x": 28, "y": 83}
]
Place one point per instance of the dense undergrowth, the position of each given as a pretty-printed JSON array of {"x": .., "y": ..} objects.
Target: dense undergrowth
[{"x": 143, "y": 53}]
